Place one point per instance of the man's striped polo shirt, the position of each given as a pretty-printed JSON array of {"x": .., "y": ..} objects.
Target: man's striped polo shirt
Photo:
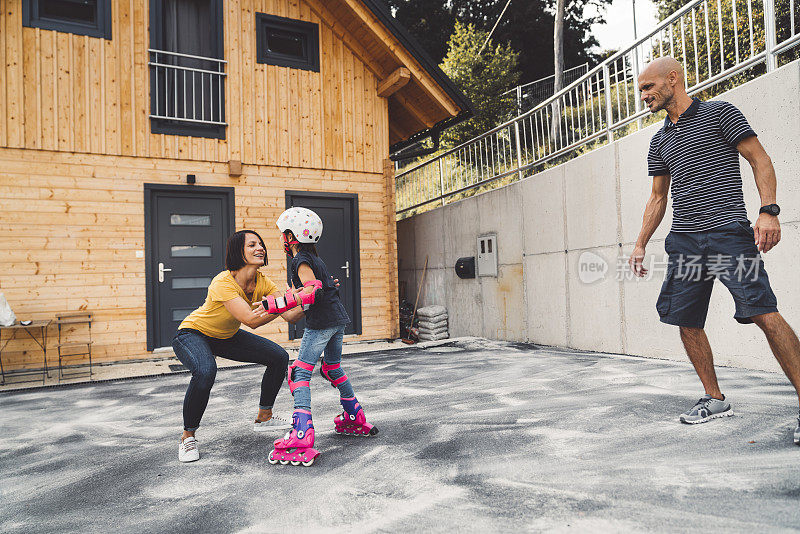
[{"x": 699, "y": 153}]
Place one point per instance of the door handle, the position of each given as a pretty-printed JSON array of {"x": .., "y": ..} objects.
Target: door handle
[
  {"x": 161, "y": 271},
  {"x": 346, "y": 267}
]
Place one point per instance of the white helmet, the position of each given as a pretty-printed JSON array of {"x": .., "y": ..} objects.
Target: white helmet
[{"x": 304, "y": 224}]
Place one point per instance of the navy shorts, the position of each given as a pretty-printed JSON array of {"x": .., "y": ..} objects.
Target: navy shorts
[{"x": 727, "y": 253}]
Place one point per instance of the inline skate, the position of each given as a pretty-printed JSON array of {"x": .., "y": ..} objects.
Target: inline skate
[
  {"x": 352, "y": 420},
  {"x": 297, "y": 446}
]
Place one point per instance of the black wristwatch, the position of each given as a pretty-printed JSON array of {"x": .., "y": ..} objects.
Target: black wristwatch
[{"x": 770, "y": 209}]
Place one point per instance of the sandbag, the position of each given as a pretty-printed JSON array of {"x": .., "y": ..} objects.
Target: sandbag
[
  {"x": 433, "y": 337},
  {"x": 431, "y": 325},
  {"x": 7, "y": 317},
  {"x": 431, "y": 312},
  {"x": 429, "y": 331}
]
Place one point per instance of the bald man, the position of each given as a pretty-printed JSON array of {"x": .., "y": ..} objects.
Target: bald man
[{"x": 697, "y": 152}]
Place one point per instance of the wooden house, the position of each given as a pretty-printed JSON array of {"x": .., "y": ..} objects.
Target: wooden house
[{"x": 136, "y": 135}]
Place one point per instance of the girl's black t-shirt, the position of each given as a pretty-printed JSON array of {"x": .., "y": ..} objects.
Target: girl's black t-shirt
[{"x": 328, "y": 310}]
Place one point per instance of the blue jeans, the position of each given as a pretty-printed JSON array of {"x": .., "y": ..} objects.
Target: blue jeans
[
  {"x": 314, "y": 343},
  {"x": 196, "y": 351}
]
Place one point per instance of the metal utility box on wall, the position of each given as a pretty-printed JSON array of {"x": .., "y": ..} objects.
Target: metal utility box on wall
[
  {"x": 465, "y": 267},
  {"x": 487, "y": 255}
]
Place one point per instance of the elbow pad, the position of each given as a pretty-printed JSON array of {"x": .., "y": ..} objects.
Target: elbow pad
[{"x": 307, "y": 299}]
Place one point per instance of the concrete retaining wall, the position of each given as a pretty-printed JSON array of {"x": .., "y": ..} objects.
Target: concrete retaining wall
[{"x": 594, "y": 204}]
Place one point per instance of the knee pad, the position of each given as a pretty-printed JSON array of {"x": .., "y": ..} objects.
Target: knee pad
[
  {"x": 325, "y": 370},
  {"x": 302, "y": 383}
]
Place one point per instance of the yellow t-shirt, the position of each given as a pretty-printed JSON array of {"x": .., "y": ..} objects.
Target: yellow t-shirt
[{"x": 212, "y": 318}]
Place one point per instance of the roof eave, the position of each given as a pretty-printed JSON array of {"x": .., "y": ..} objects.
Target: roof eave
[{"x": 381, "y": 11}]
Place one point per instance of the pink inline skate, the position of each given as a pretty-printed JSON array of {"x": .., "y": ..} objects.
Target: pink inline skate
[
  {"x": 352, "y": 420},
  {"x": 297, "y": 446}
]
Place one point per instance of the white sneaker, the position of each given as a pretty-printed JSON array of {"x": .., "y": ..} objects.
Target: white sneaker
[
  {"x": 275, "y": 423},
  {"x": 187, "y": 450}
]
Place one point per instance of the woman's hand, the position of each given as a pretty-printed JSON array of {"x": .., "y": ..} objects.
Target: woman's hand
[{"x": 259, "y": 309}]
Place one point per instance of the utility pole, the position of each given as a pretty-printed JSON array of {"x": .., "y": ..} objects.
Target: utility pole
[{"x": 558, "y": 59}]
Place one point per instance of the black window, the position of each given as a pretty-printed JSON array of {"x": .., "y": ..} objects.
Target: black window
[
  {"x": 83, "y": 17},
  {"x": 287, "y": 42},
  {"x": 187, "y": 68}
]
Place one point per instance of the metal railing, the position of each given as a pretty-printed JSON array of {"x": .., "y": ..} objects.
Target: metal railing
[
  {"x": 537, "y": 91},
  {"x": 717, "y": 41},
  {"x": 187, "y": 88}
]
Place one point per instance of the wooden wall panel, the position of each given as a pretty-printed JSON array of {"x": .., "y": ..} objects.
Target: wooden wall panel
[
  {"x": 15, "y": 117},
  {"x": 76, "y": 147},
  {"x": 3, "y": 79},
  {"x": 70, "y": 226},
  {"x": 80, "y": 94},
  {"x": 31, "y": 109},
  {"x": 49, "y": 129},
  {"x": 62, "y": 92}
]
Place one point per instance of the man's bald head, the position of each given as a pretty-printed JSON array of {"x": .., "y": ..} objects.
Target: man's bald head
[
  {"x": 663, "y": 67},
  {"x": 660, "y": 82}
]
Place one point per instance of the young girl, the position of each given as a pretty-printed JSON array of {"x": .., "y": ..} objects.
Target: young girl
[{"x": 326, "y": 319}]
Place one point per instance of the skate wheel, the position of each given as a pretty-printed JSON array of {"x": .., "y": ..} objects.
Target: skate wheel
[
  {"x": 308, "y": 463},
  {"x": 284, "y": 462},
  {"x": 295, "y": 462},
  {"x": 271, "y": 460}
]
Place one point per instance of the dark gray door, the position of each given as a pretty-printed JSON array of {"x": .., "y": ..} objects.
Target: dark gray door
[
  {"x": 188, "y": 232},
  {"x": 338, "y": 248}
]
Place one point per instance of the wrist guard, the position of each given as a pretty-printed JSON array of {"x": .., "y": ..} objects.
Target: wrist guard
[{"x": 277, "y": 305}]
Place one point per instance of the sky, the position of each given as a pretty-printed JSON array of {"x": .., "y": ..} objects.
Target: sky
[{"x": 618, "y": 29}]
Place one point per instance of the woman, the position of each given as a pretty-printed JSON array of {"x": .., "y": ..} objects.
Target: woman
[{"x": 213, "y": 330}]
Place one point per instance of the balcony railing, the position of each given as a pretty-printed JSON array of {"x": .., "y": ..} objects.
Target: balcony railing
[
  {"x": 715, "y": 40},
  {"x": 187, "y": 88}
]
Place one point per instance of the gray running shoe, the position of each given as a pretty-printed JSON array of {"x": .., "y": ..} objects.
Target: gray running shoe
[
  {"x": 706, "y": 409},
  {"x": 797, "y": 431}
]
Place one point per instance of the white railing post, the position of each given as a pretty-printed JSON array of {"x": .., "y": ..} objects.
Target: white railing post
[
  {"x": 441, "y": 180},
  {"x": 770, "y": 37},
  {"x": 519, "y": 149},
  {"x": 636, "y": 96},
  {"x": 609, "y": 111}
]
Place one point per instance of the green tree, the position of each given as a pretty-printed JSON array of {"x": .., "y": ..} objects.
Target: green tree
[
  {"x": 482, "y": 77},
  {"x": 527, "y": 26}
]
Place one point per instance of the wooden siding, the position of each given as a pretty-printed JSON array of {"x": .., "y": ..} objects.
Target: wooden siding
[
  {"x": 76, "y": 149},
  {"x": 73, "y": 93},
  {"x": 70, "y": 226}
]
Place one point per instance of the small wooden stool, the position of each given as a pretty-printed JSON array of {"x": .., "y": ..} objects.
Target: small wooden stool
[{"x": 69, "y": 347}]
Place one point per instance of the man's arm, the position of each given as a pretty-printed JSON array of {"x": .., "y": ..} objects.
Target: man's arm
[
  {"x": 653, "y": 215},
  {"x": 767, "y": 228}
]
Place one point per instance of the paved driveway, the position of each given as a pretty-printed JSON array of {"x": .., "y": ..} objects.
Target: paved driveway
[{"x": 475, "y": 436}]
